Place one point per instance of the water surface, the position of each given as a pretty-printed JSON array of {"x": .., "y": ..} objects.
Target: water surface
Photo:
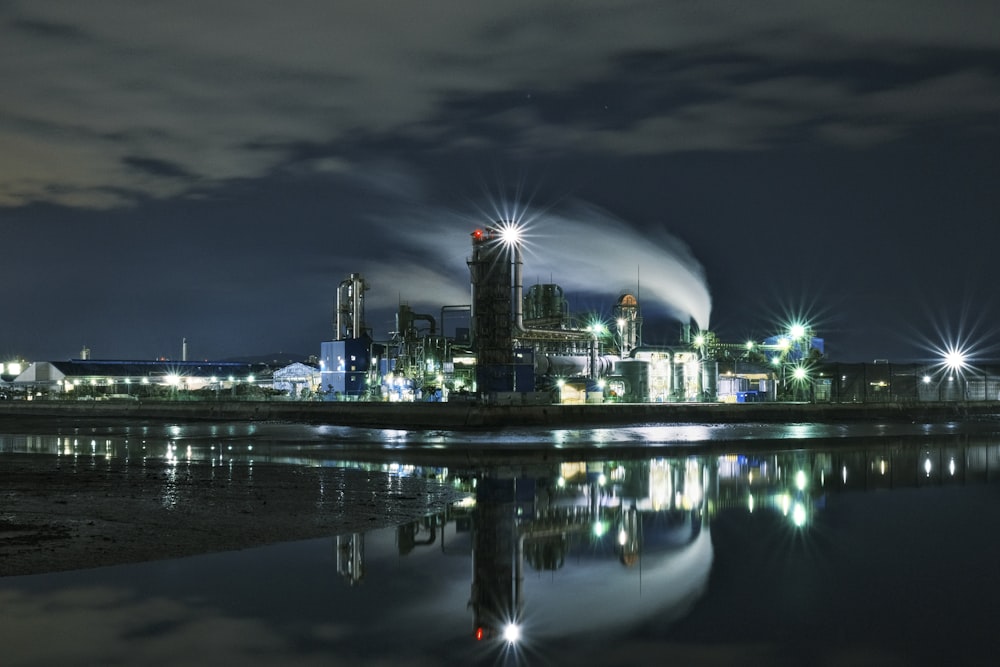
[{"x": 868, "y": 545}]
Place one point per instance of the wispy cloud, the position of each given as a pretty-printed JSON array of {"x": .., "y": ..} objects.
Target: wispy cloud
[{"x": 198, "y": 94}]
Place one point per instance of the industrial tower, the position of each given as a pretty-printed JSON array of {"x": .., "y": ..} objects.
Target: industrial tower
[{"x": 492, "y": 332}]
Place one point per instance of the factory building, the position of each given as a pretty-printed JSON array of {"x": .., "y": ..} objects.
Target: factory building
[
  {"x": 104, "y": 379},
  {"x": 525, "y": 347},
  {"x": 297, "y": 380},
  {"x": 511, "y": 346}
]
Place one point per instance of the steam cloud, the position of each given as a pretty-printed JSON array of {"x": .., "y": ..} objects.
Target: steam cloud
[
  {"x": 589, "y": 248},
  {"x": 584, "y": 249}
]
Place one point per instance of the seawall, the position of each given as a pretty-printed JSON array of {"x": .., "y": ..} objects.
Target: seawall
[{"x": 477, "y": 416}]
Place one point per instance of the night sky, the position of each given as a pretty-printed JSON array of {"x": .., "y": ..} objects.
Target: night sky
[{"x": 212, "y": 171}]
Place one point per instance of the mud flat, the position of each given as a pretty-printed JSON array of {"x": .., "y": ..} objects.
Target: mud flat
[
  {"x": 480, "y": 416},
  {"x": 64, "y": 513}
]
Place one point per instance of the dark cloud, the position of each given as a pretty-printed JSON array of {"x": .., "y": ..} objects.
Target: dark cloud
[
  {"x": 267, "y": 151},
  {"x": 52, "y": 30},
  {"x": 156, "y": 167}
]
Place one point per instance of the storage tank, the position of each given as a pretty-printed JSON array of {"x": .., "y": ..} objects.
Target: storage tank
[
  {"x": 678, "y": 387},
  {"x": 546, "y": 303},
  {"x": 709, "y": 377},
  {"x": 635, "y": 373}
]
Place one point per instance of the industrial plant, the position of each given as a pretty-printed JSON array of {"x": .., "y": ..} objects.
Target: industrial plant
[{"x": 517, "y": 346}]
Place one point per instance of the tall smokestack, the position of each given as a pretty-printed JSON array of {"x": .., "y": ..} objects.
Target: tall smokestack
[{"x": 184, "y": 349}]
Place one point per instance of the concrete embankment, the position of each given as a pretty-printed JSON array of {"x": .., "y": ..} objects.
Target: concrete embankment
[{"x": 475, "y": 416}]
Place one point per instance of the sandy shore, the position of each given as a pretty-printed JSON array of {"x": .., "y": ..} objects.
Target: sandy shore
[{"x": 64, "y": 513}]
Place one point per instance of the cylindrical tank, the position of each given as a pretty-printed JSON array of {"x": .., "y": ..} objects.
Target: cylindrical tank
[
  {"x": 677, "y": 385},
  {"x": 635, "y": 372},
  {"x": 566, "y": 365},
  {"x": 709, "y": 379},
  {"x": 545, "y": 302}
]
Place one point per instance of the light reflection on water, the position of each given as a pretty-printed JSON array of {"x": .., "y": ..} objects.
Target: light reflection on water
[
  {"x": 300, "y": 444},
  {"x": 877, "y": 548}
]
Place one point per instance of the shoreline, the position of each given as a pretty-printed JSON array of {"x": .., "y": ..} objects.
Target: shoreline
[
  {"x": 58, "y": 514},
  {"x": 62, "y": 513},
  {"x": 472, "y": 416}
]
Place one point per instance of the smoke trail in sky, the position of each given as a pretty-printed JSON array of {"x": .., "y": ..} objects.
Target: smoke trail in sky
[
  {"x": 589, "y": 250},
  {"x": 585, "y": 250}
]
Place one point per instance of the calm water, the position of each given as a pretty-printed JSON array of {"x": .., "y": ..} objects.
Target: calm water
[{"x": 751, "y": 545}]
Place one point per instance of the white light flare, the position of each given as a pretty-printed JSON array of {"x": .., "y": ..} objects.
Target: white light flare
[
  {"x": 955, "y": 359},
  {"x": 511, "y": 233},
  {"x": 512, "y": 633},
  {"x": 799, "y": 515}
]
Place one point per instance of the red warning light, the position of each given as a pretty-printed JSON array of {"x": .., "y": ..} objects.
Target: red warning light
[
  {"x": 479, "y": 634},
  {"x": 478, "y": 234}
]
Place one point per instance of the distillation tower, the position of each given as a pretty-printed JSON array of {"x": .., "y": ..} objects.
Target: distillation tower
[
  {"x": 492, "y": 329},
  {"x": 350, "y": 316}
]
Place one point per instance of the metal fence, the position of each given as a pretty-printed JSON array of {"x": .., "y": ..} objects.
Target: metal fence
[{"x": 903, "y": 383}]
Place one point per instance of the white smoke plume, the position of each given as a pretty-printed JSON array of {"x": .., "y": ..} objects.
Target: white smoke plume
[
  {"x": 584, "y": 249},
  {"x": 589, "y": 248}
]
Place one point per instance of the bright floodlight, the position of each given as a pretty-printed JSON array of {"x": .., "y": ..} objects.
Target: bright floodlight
[
  {"x": 799, "y": 373},
  {"x": 797, "y": 331},
  {"x": 512, "y": 633},
  {"x": 510, "y": 233},
  {"x": 955, "y": 359}
]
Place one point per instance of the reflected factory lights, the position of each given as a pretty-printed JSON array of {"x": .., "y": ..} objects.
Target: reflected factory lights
[{"x": 799, "y": 515}]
